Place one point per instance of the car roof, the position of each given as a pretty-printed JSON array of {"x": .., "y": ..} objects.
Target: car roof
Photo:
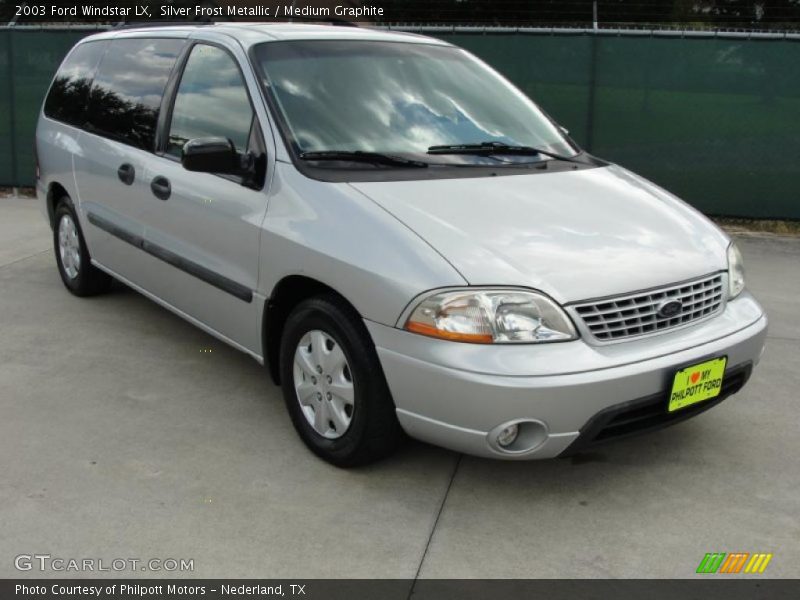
[{"x": 249, "y": 34}]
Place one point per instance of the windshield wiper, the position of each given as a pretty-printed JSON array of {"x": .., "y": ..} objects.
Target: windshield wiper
[
  {"x": 489, "y": 148},
  {"x": 361, "y": 156}
]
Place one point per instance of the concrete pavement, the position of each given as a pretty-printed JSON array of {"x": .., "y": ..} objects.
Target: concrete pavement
[{"x": 126, "y": 432}]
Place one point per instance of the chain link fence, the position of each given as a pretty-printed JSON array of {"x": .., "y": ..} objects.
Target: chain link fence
[{"x": 713, "y": 116}]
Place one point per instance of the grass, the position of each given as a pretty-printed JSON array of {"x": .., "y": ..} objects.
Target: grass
[{"x": 733, "y": 225}]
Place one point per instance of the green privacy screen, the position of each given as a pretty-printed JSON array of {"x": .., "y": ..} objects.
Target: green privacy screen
[
  {"x": 6, "y": 157},
  {"x": 714, "y": 120},
  {"x": 28, "y": 61}
]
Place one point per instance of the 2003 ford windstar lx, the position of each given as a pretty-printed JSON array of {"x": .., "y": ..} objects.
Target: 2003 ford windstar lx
[{"x": 405, "y": 239}]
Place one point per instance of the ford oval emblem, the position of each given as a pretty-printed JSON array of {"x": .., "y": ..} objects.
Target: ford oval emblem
[{"x": 669, "y": 308}]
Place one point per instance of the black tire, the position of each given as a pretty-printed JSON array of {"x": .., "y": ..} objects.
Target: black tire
[
  {"x": 89, "y": 280},
  {"x": 374, "y": 431}
]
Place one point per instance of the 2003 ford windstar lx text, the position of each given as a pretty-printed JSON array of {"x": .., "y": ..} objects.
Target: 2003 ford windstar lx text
[{"x": 405, "y": 239}]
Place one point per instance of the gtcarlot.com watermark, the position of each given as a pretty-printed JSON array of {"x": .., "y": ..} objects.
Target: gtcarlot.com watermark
[{"x": 49, "y": 563}]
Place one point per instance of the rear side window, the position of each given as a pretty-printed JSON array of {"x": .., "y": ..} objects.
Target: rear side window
[
  {"x": 66, "y": 101},
  {"x": 212, "y": 101},
  {"x": 126, "y": 95}
]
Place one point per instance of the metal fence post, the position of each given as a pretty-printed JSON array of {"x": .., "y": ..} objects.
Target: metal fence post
[{"x": 592, "y": 91}]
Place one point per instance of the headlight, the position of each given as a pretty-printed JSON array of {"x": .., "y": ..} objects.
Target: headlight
[
  {"x": 735, "y": 271},
  {"x": 491, "y": 317}
]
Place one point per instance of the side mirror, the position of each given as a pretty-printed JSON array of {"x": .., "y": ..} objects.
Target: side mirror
[
  {"x": 564, "y": 130},
  {"x": 211, "y": 155}
]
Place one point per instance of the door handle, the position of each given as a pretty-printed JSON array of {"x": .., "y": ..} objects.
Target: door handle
[
  {"x": 126, "y": 174},
  {"x": 161, "y": 188}
]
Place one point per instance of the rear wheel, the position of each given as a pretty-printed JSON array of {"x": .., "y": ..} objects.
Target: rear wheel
[
  {"x": 77, "y": 272},
  {"x": 334, "y": 386}
]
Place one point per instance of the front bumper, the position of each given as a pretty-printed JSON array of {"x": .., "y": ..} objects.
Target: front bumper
[{"x": 457, "y": 395}]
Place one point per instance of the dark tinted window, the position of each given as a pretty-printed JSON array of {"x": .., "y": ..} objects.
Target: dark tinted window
[
  {"x": 128, "y": 87},
  {"x": 212, "y": 101},
  {"x": 67, "y": 98}
]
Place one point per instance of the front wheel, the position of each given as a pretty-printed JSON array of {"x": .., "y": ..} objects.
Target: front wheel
[{"x": 334, "y": 386}]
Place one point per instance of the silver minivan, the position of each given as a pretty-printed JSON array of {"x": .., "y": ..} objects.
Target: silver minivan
[{"x": 404, "y": 239}]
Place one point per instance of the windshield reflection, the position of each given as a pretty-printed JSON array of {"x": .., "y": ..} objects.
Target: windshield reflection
[{"x": 394, "y": 97}]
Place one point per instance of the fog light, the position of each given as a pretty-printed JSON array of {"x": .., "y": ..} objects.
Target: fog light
[{"x": 507, "y": 435}]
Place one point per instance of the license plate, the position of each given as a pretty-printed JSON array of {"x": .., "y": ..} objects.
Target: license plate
[{"x": 697, "y": 383}]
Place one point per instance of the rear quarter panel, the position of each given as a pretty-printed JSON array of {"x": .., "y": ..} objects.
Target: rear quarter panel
[{"x": 56, "y": 143}]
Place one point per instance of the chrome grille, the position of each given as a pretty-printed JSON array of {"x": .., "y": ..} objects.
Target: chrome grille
[{"x": 637, "y": 314}]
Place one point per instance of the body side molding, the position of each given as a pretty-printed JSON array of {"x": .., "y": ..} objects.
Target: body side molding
[{"x": 179, "y": 262}]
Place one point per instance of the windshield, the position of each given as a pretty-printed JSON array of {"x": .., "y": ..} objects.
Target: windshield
[{"x": 395, "y": 97}]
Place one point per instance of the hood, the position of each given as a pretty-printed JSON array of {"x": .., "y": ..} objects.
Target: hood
[{"x": 574, "y": 235}]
